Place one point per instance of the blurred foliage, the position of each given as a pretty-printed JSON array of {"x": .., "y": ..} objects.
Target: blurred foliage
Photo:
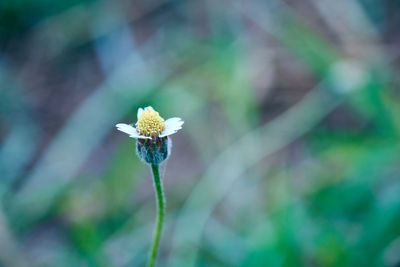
[{"x": 288, "y": 155}]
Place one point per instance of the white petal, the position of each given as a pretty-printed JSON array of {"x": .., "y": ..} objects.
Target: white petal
[
  {"x": 139, "y": 112},
  {"x": 173, "y": 129},
  {"x": 144, "y": 137},
  {"x": 173, "y": 123},
  {"x": 128, "y": 129},
  {"x": 166, "y": 133},
  {"x": 175, "y": 119},
  {"x": 149, "y": 108}
]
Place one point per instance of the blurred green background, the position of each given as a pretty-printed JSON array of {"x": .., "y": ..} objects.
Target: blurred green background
[{"x": 289, "y": 155}]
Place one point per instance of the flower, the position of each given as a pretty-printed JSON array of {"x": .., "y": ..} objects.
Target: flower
[
  {"x": 153, "y": 145},
  {"x": 151, "y": 125}
]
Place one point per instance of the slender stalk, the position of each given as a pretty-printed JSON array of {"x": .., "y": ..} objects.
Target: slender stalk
[{"x": 160, "y": 215}]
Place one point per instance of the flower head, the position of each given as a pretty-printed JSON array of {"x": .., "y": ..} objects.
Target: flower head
[
  {"x": 153, "y": 145},
  {"x": 151, "y": 125}
]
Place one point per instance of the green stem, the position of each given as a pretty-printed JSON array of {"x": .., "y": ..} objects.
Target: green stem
[{"x": 160, "y": 215}]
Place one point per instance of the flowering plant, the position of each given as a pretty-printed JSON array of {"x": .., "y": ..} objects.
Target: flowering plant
[{"x": 153, "y": 146}]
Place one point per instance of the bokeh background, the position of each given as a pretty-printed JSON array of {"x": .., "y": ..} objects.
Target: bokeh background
[{"x": 289, "y": 155}]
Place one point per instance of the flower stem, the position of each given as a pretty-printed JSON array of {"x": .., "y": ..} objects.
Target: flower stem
[{"x": 160, "y": 214}]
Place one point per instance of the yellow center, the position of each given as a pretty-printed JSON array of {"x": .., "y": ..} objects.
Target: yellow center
[{"x": 150, "y": 123}]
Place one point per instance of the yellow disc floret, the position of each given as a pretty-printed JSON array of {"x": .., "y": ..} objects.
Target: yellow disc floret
[{"x": 150, "y": 123}]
